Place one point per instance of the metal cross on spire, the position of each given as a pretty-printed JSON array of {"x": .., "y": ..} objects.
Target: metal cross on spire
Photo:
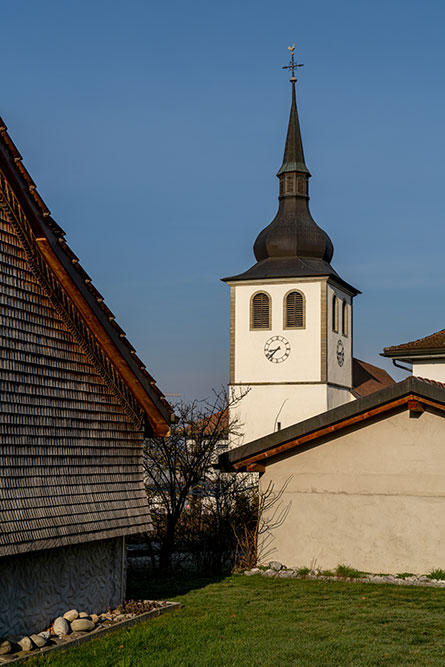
[{"x": 292, "y": 64}]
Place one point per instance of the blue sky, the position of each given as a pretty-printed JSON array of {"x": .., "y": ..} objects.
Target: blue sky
[{"x": 154, "y": 132}]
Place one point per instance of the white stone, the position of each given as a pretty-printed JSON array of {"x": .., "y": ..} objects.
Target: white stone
[
  {"x": 71, "y": 615},
  {"x": 25, "y": 644},
  {"x": 5, "y": 647},
  {"x": 61, "y": 626},
  {"x": 38, "y": 640},
  {"x": 82, "y": 625},
  {"x": 275, "y": 565}
]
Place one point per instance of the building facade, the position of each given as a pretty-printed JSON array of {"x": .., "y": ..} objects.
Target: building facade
[{"x": 361, "y": 484}]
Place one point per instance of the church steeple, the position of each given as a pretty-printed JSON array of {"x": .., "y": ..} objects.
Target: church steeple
[
  {"x": 290, "y": 313},
  {"x": 293, "y": 233},
  {"x": 292, "y": 245}
]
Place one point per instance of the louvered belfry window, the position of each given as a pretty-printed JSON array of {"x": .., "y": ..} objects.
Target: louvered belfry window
[
  {"x": 294, "y": 311},
  {"x": 260, "y": 311},
  {"x": 345, "y": 322},
  {"x": 334, "y": 314}
]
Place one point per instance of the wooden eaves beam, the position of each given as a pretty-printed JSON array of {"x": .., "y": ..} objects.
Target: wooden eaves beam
[
  {"x": 416, "y": 402},
  {"x": 157, "y": 422}
]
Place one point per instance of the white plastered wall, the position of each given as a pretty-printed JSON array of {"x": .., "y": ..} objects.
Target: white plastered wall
[
  {"x": 340, "y": 375},
  {"x": 277, "y": 393},
  {"x": 373, "y": 498},
  {"x": 281, "y": 394},
  {"x": 303, "y": 363},
  {"x": 337, "y": 396},
  {"x": 265, "y": 408},
  {"x": 433, "y": 370}
]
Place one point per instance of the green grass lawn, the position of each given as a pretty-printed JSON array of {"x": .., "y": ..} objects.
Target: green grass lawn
[{"x": 259, "y": 621}]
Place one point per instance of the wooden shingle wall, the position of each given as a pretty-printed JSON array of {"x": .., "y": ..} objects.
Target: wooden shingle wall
[{"x": 70, "y": 467}]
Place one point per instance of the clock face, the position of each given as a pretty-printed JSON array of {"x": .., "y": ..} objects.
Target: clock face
[
  {"x": 277, "y": 349},
  {"x": 340, "y": 353}
]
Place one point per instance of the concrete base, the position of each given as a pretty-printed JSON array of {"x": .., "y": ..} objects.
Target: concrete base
[{"x": 38, "y": 586}]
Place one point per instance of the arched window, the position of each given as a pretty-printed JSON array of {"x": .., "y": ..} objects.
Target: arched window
[
  {"x": 260, "y": 311},
  {"x": 334, "y": 313},
  {"x": 301, "y": 185},
  {"x": 345, "y": 323},
  {"x": 294, "y": 315},
  {"x": 290, "y": 184}
]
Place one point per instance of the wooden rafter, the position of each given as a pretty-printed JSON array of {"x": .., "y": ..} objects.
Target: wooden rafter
[{"x": 158, "y": 424}]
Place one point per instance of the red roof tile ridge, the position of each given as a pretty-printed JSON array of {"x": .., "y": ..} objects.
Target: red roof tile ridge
[
  {"x": 436, "y": 383},
  {"x": 413, "y": 343}
]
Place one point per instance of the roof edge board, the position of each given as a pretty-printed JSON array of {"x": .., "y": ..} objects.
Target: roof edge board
[
  {"x": 49, "y": 241},
  {"x": 407, "y": 352},
  {"x": 99, "y": 331},
  {"x": 390, "y": 397}
]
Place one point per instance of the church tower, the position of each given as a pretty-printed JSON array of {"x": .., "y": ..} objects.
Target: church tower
[{"x": 291, "y": 313}]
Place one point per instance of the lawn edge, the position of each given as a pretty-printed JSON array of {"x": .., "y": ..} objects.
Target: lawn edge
[{"x": 99, "y": 632}]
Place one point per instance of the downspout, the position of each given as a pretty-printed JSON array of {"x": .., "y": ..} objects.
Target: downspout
[{"x": 404, "y": 368}]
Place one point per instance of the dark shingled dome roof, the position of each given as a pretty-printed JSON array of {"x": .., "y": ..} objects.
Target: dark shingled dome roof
[{"x": 292, "y": 245}]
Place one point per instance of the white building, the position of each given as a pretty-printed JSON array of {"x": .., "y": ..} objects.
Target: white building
[
  {"x": 362, "y": 481},
  {"x": 291, "y": 329},
  {"x": 426, "y": 356}
]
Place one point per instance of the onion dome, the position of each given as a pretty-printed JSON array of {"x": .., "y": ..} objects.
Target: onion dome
[
  {"x": 293, "y": 232},
  {"x": 292, "y": 245}
]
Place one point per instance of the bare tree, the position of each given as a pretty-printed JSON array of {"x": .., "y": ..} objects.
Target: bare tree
[
  {"x": 254, "y": 536},
  {"x": 179, "y": 467}
]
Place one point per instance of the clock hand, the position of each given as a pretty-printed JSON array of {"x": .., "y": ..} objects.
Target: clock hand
[{"x": 272, "y": 352}]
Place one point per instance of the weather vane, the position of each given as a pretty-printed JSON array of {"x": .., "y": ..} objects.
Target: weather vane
[{"x": 292, "y": 64}]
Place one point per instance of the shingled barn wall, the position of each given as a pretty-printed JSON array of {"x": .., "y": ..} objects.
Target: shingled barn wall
[{"x": 71, "y": 472}]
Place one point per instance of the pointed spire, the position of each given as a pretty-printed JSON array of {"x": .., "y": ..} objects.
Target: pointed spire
[
  {"x": 292, "y": 245},
  {"x": 293, "y": 159}
]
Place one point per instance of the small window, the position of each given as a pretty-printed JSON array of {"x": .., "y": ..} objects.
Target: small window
[
  {"x": 294, "y": 310},
  {"x": 334, "y": 313},
  {"x": 290, "y": 184},
  {"x": 345, "y": 323},
  {"x": 260, "y": 311}
]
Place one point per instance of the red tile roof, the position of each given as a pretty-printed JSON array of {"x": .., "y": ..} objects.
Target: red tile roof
[
  {"x": 435, "y": 383},
  {"x": 367, "y": 378},
  {"x": 433, "y": 342}
]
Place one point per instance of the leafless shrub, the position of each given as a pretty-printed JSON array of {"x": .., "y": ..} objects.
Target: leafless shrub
[
  {"x": 179, "y": 467},
  {"x": 218, "y": 521},
  {"x": 254, "y": 537}
]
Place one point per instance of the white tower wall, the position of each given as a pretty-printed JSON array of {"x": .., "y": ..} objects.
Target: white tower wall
[{"x": 310, "y": 380}]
